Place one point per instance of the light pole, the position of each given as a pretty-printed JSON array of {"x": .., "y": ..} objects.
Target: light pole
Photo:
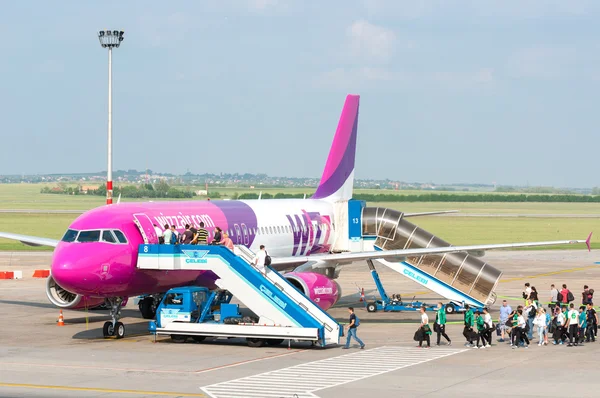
[{"x": 110, "y": 39}]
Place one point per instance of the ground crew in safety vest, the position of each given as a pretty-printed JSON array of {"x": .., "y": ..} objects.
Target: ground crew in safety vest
[
  {"x": 468, "y": 330},
  {"x": 440, "y": 324}
]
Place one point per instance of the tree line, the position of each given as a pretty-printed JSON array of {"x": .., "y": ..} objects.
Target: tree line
[{"x": 159, "y": 190}]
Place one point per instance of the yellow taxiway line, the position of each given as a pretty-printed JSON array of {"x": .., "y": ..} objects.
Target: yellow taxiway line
[{"x": 104, "y": 390}]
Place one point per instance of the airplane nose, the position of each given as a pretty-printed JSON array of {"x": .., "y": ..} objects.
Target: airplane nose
[
  {"x": 71, "y": 269},
  {"x": 92, "y": 269},
  {"x": 72, "y": 278}
]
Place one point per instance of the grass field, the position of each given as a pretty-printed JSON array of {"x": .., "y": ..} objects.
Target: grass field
[{"x": 457, "y": 230}]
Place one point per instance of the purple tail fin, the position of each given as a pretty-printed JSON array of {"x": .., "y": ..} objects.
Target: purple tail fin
[{"x": 337, "y": 180}]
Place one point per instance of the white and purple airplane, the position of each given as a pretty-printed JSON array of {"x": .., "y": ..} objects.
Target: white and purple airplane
[{"x": 96, "y": 260}]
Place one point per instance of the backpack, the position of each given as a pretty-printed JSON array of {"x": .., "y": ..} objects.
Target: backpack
[
  {"x": 356, "y": 321},
  {"x": 559, "y": 297},
  {"x": 267, "y": 259},
  {"x": 570, "y": 296}
]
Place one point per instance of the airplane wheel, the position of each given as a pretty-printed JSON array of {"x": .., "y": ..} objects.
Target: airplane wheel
[
  {"x": 450, "y": 309},
  {"x": 198, "y": 339},
  {"x": 177, "y": 338},
  {"x": 372, "y": 307},
  {"x": 255, "y": 342},
  {"x": 274, "y": 341},
  {"x": 146, "y": 309},
  {"x": 119, "y": 331},
  {"x": 108, "y": 329}
]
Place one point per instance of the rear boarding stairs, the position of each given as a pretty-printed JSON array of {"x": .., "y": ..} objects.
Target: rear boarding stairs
[{"x": 283, "y": 311}]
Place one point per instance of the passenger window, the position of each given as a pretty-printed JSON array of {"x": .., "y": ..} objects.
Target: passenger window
[
  {"x": 120, "y": 236},
  {"x": 70, "y": 235},
  {"x": 107, "y": 236},
  {"x": 88, "y": 236}
]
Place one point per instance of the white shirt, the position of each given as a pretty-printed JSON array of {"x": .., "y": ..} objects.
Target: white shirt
[
  {"x": 560, "y": 319},
  {"x": 521, "y": 321},
  {"x": 424, "y": 319},
  {"x": 487, "y": 319},
  {"x": 528, "y": 291},
  {"x": 159, "y": 232},
  {"x": 573, "y": 317},
  {"x": 259, "y": 260}
]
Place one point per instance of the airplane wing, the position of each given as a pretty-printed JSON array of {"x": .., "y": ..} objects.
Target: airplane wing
[
  {"x": 400, "y": 255},
  {"x": 30, "y": 240},
  {"x": 429, "y": 213}
]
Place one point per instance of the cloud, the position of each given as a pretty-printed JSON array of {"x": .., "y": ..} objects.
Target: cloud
[{"x": 371, "y": 42}]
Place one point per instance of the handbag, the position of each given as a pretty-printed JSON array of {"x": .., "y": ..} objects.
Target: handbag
[{"x": 436, "y": 327}]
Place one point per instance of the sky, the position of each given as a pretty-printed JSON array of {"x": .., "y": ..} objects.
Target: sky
[{"x": 495, "y": 91}]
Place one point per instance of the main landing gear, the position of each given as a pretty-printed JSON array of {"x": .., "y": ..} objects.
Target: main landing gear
[{"x": 114, "y": 327}]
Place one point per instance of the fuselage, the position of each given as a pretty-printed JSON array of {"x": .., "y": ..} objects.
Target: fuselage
[{"x": 97, "y": 257}]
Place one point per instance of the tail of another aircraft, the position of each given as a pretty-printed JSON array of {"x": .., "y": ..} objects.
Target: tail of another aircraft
[{"x": 337, "y": 180}]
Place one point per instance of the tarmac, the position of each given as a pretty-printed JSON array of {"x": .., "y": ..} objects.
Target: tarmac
[{"x": 40, "y": 359}]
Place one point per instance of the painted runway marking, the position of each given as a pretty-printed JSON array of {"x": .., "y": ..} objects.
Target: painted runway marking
[
  {"x": 303, "y": 380},
  {"x": 102, "y": 390}
]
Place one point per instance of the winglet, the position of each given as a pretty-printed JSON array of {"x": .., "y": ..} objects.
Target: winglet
[{"x": 588, "y": 240}]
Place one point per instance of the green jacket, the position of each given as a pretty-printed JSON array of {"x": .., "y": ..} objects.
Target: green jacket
[
  {"x": 480, "y": 324},
  {"x": 441, "y": 316},
  {"x": 469, "y": 318}
]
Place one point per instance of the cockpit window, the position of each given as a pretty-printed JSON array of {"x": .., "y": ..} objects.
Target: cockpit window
[
  {"x": 89, "y": 236},
  {"x": 70, "y": 235},
  {"x": 107, "y": 236},
  {"x": 120, "y": 236}
]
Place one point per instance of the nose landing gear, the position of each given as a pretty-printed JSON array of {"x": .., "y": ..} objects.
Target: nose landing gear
[{"x": 114, "y": 327}]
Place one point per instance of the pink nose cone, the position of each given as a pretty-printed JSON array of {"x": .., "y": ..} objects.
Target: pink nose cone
[{"x": 92, "y": 268}]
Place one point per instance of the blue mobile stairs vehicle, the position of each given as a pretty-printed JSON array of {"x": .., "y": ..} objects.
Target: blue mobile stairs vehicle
[
  {"x": 282, "y": 311},
  {"x": 460, "y": 278}
]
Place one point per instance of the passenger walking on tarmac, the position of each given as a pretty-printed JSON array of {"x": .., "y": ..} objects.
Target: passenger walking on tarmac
[
  {"x": 520, "y": 334},
  {"x": 353, "y": 323},
  {"x": 440, "y": 324},
  {"x": 259, "y": 260},
  {"x": 489, "y": 327},
  {"x": 505, "y": 311},
  {"x": 533, "y": 296},
  {"x": 540, "y": 323},
  {"x": 582, "y": 325},
  {"x": 167, "y": 235},
  {"x": 592, "y": 322},
  {"x": 425, "y": 329},
  {"x": 159, "y": 234},
  {"x": 530, "y": 312},
  {"x": 527, "y": 293},
  {"x": 514, "y": 321},
  {"x": 573, "y": 324},
  {"x": 553, "y": 297},
  {"x": 560, "y": 320},
  {"x": 468, "y": 330},
  {"x": 202, "y": 235},
  {"x": 480, "y": 323},
  {"x": 587, "y": 295},
  {"x": 565, "y": 293}
]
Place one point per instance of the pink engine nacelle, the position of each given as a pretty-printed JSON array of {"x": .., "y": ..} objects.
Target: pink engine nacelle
[{"x": 320, "y": 289}]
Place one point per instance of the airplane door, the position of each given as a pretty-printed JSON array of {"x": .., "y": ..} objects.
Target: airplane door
[
  {"x": 246, "y": 236},
  {"x": 238, "y": 234},
  {"x": 146, "y": 228}
]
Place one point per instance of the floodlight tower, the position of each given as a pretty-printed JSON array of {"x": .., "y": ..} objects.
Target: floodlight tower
[{"x": 110, "y": 39}]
